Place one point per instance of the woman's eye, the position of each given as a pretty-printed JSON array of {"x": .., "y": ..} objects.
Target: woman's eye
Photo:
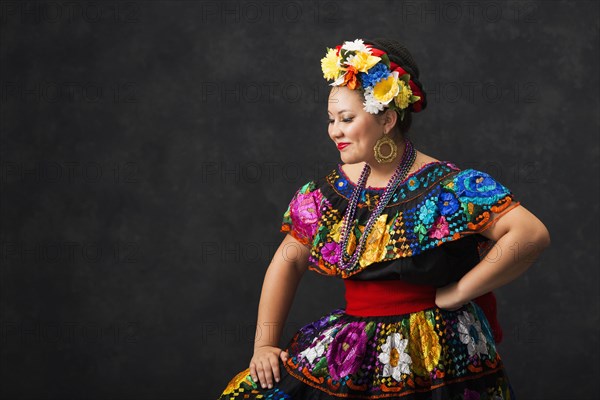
[{"x": 329, "y": 121}]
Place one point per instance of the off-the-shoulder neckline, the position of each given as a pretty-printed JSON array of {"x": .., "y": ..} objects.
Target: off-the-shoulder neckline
[{"x": 412, "y": 174}]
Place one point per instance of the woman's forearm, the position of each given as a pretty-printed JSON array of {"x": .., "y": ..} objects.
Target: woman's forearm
[
  {"x": 510, "y": 256},
  {"x": 278, "y": 290}
]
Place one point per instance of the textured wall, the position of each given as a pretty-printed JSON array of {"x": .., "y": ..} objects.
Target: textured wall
[{"x": 149, "y": 149}]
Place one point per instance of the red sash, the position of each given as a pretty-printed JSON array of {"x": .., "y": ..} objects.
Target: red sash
[{"x": 395, "y": 297}]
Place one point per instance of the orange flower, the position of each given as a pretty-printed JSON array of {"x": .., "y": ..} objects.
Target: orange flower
[{"x": 350, "y": 78}]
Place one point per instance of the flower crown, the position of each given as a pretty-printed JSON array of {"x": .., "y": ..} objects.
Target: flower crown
[{"x": 361, "y": 66}]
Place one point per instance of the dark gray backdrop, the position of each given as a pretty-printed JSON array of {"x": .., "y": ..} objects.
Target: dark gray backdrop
[{"x": 149, "y": 149}]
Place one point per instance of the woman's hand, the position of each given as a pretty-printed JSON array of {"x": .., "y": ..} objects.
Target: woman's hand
[
  {"x": 265, "y": 365},
  {"x": 448, "y": 298}
]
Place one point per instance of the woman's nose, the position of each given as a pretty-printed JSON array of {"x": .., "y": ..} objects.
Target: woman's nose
[{"x": 335, "y": 129}]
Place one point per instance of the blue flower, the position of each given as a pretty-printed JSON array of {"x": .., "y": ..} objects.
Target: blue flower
[
  {"x": 341, "y": 183},
  {"x": 479, "y": 187},
  {"x": 427, "y": 212},
  {"x": 413, "y": 183},
  {"x": 447, "y": 203},
  {"x": 375, "y": 74}
]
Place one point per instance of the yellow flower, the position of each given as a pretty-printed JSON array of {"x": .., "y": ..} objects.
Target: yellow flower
[
  {"x": 386, "y": 89},
  {"x": 237, "y": 380},
  {"x": 335, "y": 231},
  {"x": 424, "y": 344},
  {"x": 402, "y": 99},
  {"x": 351, "y": 246},
  {"x": 376, "y": 242},
  {"x": 329, "y": 65},
  {"x": 363, "y": 61}
]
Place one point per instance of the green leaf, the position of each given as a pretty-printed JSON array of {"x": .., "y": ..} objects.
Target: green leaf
[
  {"x": 370, "y": 328},
  {"x": 320, "y": 368},
  {"x": 385, "y": 60}
]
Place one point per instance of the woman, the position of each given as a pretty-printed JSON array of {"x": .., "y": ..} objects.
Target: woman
[{"x": 419, "y": 242}]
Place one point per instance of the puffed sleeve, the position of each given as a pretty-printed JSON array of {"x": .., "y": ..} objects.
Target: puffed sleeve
[
  {"x": 302, "y": 214},
  {"x": 474, "y": 201}
]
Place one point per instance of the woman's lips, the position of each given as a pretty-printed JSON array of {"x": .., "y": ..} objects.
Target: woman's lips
[{"x": 341, "y": 146}]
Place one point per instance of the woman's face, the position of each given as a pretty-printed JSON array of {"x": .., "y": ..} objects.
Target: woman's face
[{"x": 350, "y": 123}]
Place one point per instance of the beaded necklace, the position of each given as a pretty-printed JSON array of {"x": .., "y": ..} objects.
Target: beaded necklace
[{"x": 348, "y": 261}]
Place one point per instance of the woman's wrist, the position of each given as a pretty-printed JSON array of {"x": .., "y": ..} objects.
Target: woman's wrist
[
  {"x": 263, "y": 345},
  {"x": 461, "y": 295}
]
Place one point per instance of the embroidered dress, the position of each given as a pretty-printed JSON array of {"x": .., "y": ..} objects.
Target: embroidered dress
[{"x": 391, "y": 341}]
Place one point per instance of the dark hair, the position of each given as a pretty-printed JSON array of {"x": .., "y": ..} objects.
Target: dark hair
[{"x": 399, "y": 54}]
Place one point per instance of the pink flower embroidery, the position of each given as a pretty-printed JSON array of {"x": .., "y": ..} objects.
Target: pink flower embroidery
[
  {"x": 439, "y": 229},
  {"x": 331, "y": 252},
  {"x": 347, "y": 350},
  {"x": 305, "y": 213}
]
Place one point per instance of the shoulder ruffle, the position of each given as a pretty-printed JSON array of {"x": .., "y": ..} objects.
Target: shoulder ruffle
[{"x": 437, "y": 204}]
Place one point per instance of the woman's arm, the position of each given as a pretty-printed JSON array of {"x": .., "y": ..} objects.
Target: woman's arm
[
  {"x": 520, "y": 238},
  {"x": 279, "y": 287}
]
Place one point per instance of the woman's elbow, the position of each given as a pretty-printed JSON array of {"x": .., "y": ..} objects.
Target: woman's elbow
[{"x": 542, "y": 236}]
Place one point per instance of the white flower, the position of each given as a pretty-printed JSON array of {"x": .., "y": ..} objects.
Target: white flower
[
  {"x": 357, "y": 45},
  {"x": 470, "y": 334},
  {"x": 317, "y": 347},
  {"x": 339, "y": 80},
  {"x": 371, "y": 105},
  {"x": 396, "y": 361}
]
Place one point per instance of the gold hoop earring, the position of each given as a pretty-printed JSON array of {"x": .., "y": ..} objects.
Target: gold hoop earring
[{"x": 377, "y": 149}]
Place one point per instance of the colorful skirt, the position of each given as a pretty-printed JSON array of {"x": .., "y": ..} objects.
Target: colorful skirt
[{"x": 429, "y": 354}]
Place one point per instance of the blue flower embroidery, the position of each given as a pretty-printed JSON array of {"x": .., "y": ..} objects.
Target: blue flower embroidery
[
  {"x": 447, "y": 203},
  {"x": 413, "y": 183},
  {"x": 479, "y": 187},
  {"x": 341, "y": 183},
  {"x": 427, "y": 212}
]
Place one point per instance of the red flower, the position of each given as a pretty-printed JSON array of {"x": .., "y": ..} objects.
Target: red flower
[
  {"x": 375, "y": 52},
  {"x": 416, "y": 106},
  {"x": 396, "y": 67}
]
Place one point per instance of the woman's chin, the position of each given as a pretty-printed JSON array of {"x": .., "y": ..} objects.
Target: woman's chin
[{"x": 350, "y": 159}]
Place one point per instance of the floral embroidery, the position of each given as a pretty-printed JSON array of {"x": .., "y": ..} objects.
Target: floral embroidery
[
  {"x": 413, "y": 183},
  {"x": 439, "y": 228},
  {"x": 437, "y": 204},
  {"x": 375, "y": 246},
  {"x": 421, "y": 231},
  {"x": 305, "y": 212},
  {"x": 470, "y": 333},
  {"x": 447, "y": 203},
  {"x": 317, "y": 348},
  {"x": 394, "y": 358},
  {"x": 347, "y": 350},
  {"x": 478, "y": 187},
  {"x": 404, "y": 356},
  {"x": 424, "y": 344},
  {"x": 427, "y": 212},
  {"x": 331, "y": 252},
  {"x": 242, "y": 377}
]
